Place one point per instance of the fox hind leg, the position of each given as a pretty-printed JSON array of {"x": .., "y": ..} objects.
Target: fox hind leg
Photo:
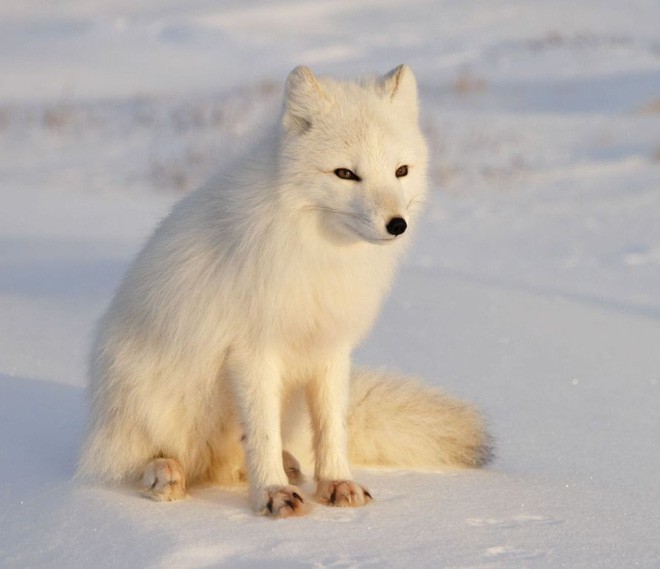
[
  {"x": 292, "y": 468},
  {"x": 164, "y": 480}
]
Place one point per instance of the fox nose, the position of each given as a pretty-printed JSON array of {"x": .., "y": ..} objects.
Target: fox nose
[{"x": 396, "y": 226}]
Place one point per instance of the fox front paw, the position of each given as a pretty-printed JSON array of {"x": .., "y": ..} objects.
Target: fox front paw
[
  {"x": 343, "y": 493},
  {"x": 280, "y": 502},
  {"x": 163, "y": 480}
]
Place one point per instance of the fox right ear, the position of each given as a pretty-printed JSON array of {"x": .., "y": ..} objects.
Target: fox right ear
[
  {"x": 303, "y": 96},
  {"x": 400, "y": 86}
]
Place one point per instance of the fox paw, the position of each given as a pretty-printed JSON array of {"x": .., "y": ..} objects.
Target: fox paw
[
  {"x": 281, "y": 502},
  {"x": 163, "y": 480},
  {"x": 292, "y": 469},
  {"x": 343, "y": 493}
]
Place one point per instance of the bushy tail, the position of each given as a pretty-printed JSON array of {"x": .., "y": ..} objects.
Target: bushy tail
[{"x": 395, "y": 421}]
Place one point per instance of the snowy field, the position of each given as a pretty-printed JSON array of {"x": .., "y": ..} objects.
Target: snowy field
[{"x": 533, "y": 288}]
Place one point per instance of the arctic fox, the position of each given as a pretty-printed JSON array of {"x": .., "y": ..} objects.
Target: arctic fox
[{"x": 229, "y": 340}]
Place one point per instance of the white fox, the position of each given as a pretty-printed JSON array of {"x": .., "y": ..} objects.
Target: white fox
[{"x": 229, "y": 340}]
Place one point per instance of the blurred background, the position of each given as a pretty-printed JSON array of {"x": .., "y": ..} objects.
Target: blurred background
[
  {"x": 543, "y": 116},
  {"x": 532, "y": 289}
]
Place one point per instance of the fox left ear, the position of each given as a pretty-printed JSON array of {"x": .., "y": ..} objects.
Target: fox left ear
[
  {"x": 401, "y": 88},
  {"x": 303, "y": 98}
]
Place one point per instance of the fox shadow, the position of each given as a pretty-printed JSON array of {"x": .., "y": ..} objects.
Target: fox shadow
[
  {"x": 41, "y": 426},
  {"x": 70, "y": 524}
]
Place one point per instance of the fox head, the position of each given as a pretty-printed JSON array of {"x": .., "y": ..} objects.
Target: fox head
[{"x": 354, "y": 152}]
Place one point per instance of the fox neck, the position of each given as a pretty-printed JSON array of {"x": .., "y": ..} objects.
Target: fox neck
[{"x": 344, "y": 278}]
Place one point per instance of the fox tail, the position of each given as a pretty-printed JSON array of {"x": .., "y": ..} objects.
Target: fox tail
[{"x": 397, "y": 422}]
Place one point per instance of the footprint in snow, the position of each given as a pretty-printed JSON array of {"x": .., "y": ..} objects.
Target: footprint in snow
[
  {"x": 514, "y": 522},
  {"x": 506, "y": 553}
]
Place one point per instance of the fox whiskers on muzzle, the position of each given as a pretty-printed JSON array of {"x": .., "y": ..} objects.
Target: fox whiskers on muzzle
[
  {"x": 363, "y": 226},
  {"x": 327, "y": 209},
  {"x": 415, "y": 203}
]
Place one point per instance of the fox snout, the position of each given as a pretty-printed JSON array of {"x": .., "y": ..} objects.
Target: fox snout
[{"x": 396, "y": 226}]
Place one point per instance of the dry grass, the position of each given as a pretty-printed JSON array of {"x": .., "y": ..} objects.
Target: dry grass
[
  {"x": 655, "y": 157},
  {"x": 467, "y": 83},
  {"x": 58, "y": 117},
  {"x": 651, "y": 107}
]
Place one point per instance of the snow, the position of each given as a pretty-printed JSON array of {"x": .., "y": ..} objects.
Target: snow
[{"x": 532, "y": 288}]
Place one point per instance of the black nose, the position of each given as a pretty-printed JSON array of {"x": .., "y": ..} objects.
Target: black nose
[{"x": 396, "y": 226}]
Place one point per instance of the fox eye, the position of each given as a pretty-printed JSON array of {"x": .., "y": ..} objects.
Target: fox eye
[
  {"x": 346, "y": 174},
  {"x": 401, "y": 171}
]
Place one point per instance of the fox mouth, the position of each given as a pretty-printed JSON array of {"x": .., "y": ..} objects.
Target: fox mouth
[
  {"x": 355, "y": 224},
  {"x": 368, "y": 238}
]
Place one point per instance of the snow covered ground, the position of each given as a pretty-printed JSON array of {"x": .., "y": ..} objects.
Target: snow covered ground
[{"x": 533, "y": 288}]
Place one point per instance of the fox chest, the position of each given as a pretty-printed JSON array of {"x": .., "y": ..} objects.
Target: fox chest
[{"x": 326, "y": 309}]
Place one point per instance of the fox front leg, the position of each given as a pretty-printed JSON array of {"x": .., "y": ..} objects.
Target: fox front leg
[
  {"x": 327, "y": 395},
  {"x": 256, "y": 384}
]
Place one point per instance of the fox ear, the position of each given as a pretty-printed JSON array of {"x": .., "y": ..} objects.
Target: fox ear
[
  {"x": 303, "y": 97},
  {"x": 400, "y": 86}
]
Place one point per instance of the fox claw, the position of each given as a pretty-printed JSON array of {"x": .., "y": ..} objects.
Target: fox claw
[
  {"x": 342, "y": 493},
  {"x": 283, "y": 502}
]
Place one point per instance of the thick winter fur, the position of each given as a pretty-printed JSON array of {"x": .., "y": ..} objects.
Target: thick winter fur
[{"x": 249, "y": 298}]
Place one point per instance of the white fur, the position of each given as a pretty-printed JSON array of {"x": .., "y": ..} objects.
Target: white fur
[{"x": 256, "y": 289}]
